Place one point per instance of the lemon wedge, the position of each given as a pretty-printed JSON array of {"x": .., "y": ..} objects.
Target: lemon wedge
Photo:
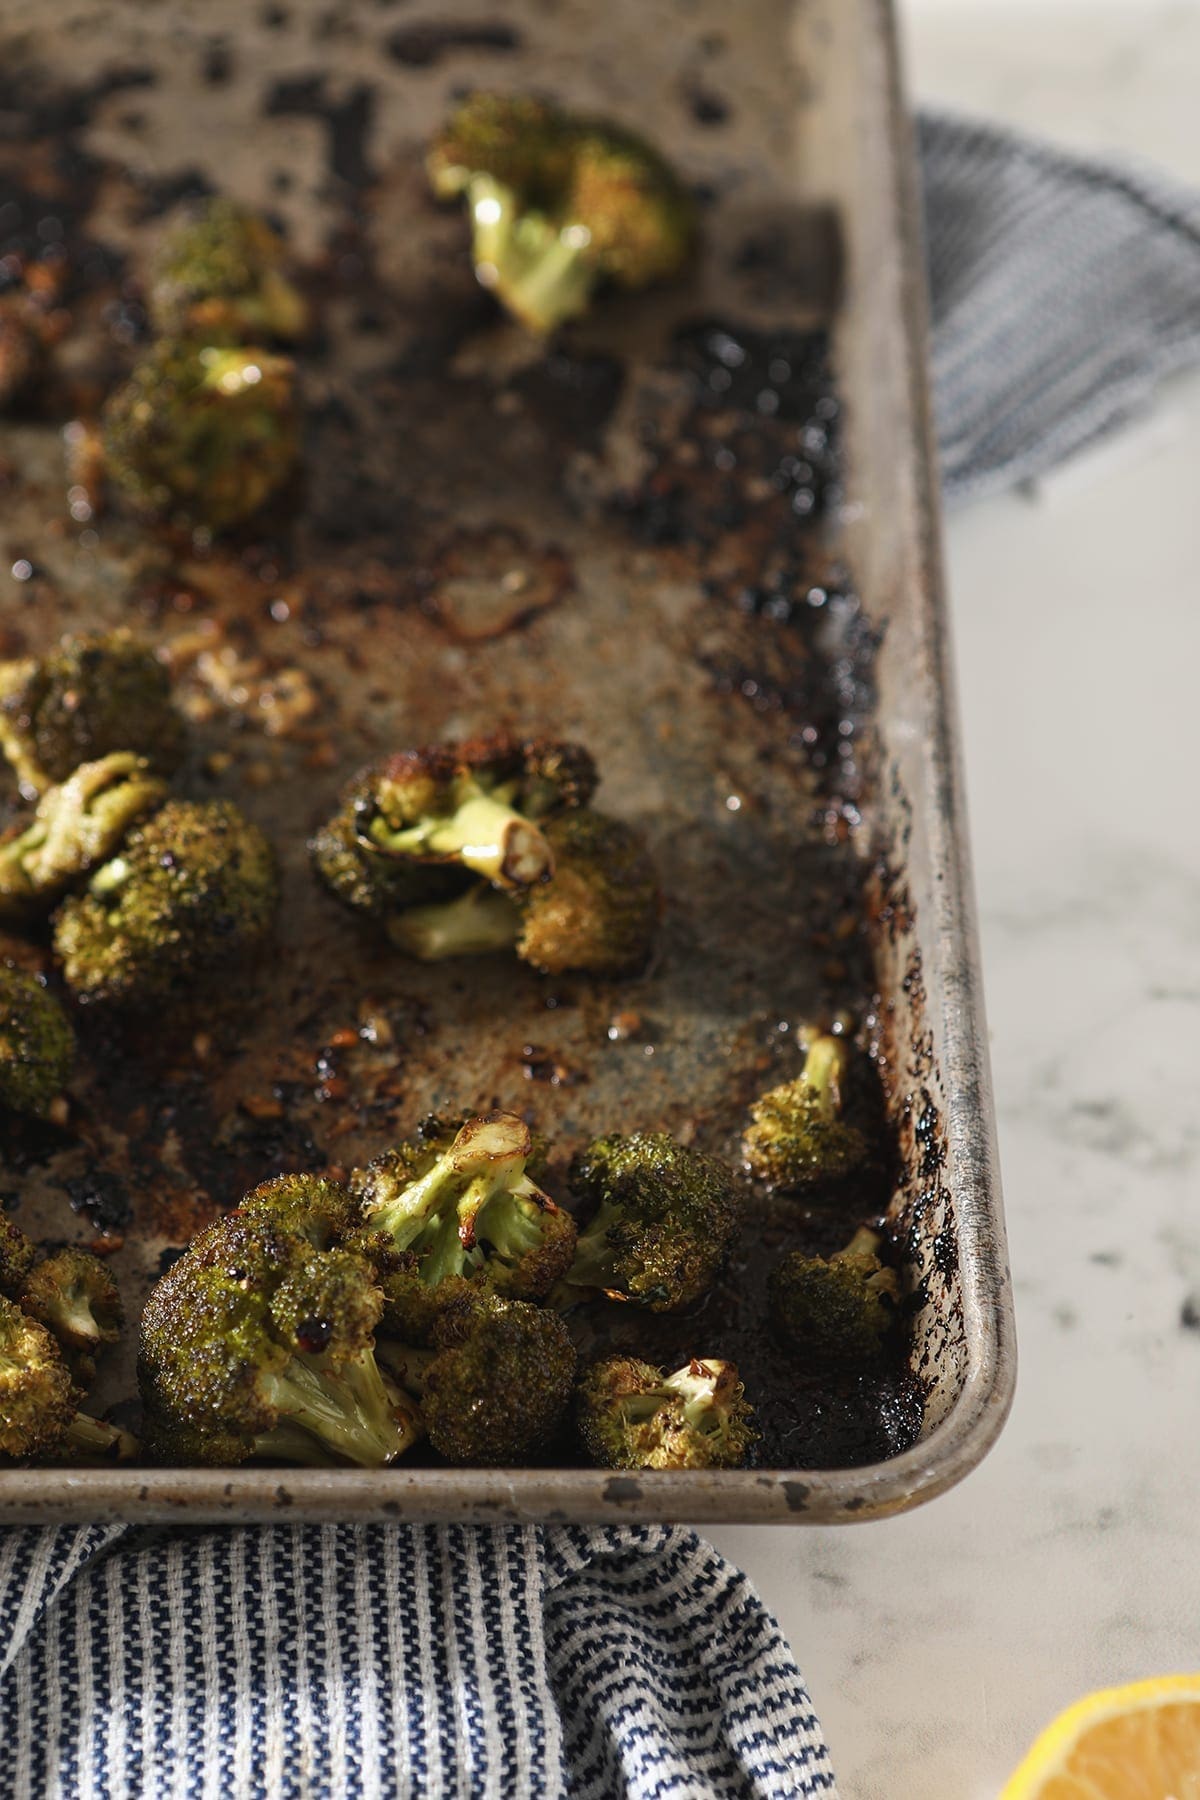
[{"x": 1140, "y": 1742}]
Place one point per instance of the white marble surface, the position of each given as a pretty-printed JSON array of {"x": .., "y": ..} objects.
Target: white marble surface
[{"x": 936, "y": 1645}]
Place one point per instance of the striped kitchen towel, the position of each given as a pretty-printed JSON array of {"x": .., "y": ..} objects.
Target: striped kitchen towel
[
  {"x": 458, "y": 1663},
  {"x": 1063, "y": 290},
  {"x": 489, "y": 1662}
]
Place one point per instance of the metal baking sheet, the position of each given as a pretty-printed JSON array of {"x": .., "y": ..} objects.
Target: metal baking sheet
[{"x": 605, "y": 540}]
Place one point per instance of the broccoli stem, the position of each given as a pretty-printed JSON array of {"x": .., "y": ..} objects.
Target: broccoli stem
[
  {"x": 348, "y": 1410},
  {"x": 486, "y": 1159},
  {"x": 70, "y": 1317},
  {"x": 824, "y": 1071},
  {"x": 483, "y": 833},
  {"x": 542, "y": 272},
  {"x": 865, "y": 1242},
  {"x": 95, "y": 1440},
  {"x": 476, "y": 924},
  {"x": 406, "y": 1365}
]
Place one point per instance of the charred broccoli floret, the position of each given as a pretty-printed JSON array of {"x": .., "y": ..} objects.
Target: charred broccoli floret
[
  {"x": 76, "y": 825},
  {"x": 665, "y": 1219},
  {"x": 203, "y": 436},
  {"x": 92, "y": 696},
  {"x": 39, "y": 1416},
  {"x": 631, "y": 1416},
  {"x": 221, "y": 276},
  {"x": 477, "y": 805},
  {"x": 259, "y": 1341},
  {"x": 498, "y": 1380},
  {"x": 799, "y": 1134},
  {"x": 193, "y": 887},
  {"x": 837, "y": 1311},
  {"x": 37, "y": 1397},
  {"x": 597, "y": 913},
  {"x": 559, "y": 205},
  {"x": 462, "y": 1211},
  {"x": 73, "y": 1294},
  {"x": 37, "y": 1045}
]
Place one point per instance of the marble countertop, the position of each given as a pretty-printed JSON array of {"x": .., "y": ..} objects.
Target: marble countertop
[{"x": 937, "y": 1645}]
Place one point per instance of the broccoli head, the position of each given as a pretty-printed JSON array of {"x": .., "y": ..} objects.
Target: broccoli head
[
  {"x": 498, "y": 1380},
  {"x": 202, "y": 436},
  {"x": 476, "y": 805},
  {"x": 664, "y": 1220},
  {"x": 76, "y": 825},
  {"x": 221, "y": 275},
  {"x": 193, "y": 887},
  {"x": 596, "y": 914},
  {"x": 92, "y": 696},
  {"x": 22, "y": 349},
  {"x": 37, "y": 1397},
  {"x": 799, "y": 1134},
  {"x": 73, "y": 1294},
  {"x": 559, "y": 205},
  {"x": 459, "y": 1210},
  {"x": 37, "y": 1044},
  {"x": 631, "y": 1416},
  {"x": 837, "y": 1311},
  {"x": 259, "y": 1341}
]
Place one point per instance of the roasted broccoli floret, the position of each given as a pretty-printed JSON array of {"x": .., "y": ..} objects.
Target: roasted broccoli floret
[
  {"x": 203, "y": 436},
  {"x": 665, "y": 1219},
  {"x": 559, "y": 205},
  {"x": 76, "y": 825},
  {"x": 498, "y": 1380},
  {"x": 73, "y": 1294},
  {"x": 221, "y": 277},
  {"x": 22, "y": 349},
  {"x": 798, "y": 1134},
  {"x": 463, "y": 1211},
  {"x": 259, "y": 1341},
  {"x": 90, "y": 697},
  {"x": 837, "y": 1311},
  {"x": 597, "y": 913},
  {"x": 478, "y": 805},
  {"x": 192, "y": 888},
  {"x": 631, "y": 1416},
  {"x": 37, "y": 1045},
  {"x": 37, "y": 1397}
]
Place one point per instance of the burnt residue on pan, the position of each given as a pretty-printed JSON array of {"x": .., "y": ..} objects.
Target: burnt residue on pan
[{"x": 631, "y": 537}]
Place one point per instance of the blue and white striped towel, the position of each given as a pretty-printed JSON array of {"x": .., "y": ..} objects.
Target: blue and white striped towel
[{"x": 459, "y": 1663}]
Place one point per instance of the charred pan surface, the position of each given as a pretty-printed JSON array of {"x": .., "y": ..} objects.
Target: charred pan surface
[{"x": 489, "y": 536}]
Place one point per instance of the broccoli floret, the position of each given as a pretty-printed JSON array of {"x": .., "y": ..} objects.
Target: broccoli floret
[
  {"x": 631, "y": 1416},
  {"x": 37, "y": 1397},
  {"x": 75, "y": 826},
  {"x": 799, "y": 1135},
  {"x": 18, "y": 1254},
  {"x": 498, "y": 1381},
  {"x": 665, "y": 1219},
  {"x": 221, "y": 276},
  {"x": 559, "y": 205},
  {"x": 73, "y": 1294},
  {"x": 476, "y": 805},
  {"x": 90, "y": 697},
  {"x": 837, "y": 1311},
  {"x": 259, "y": 1341},
  {"x": 202, "y": 436},
  {"x": 596, "y": 914},
  {"x": 37, "y": 1044},
  {"x": 22, "y": 349},
  {"x": 193, "y": 887},
  {"x": 462, "y": 1212}
]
